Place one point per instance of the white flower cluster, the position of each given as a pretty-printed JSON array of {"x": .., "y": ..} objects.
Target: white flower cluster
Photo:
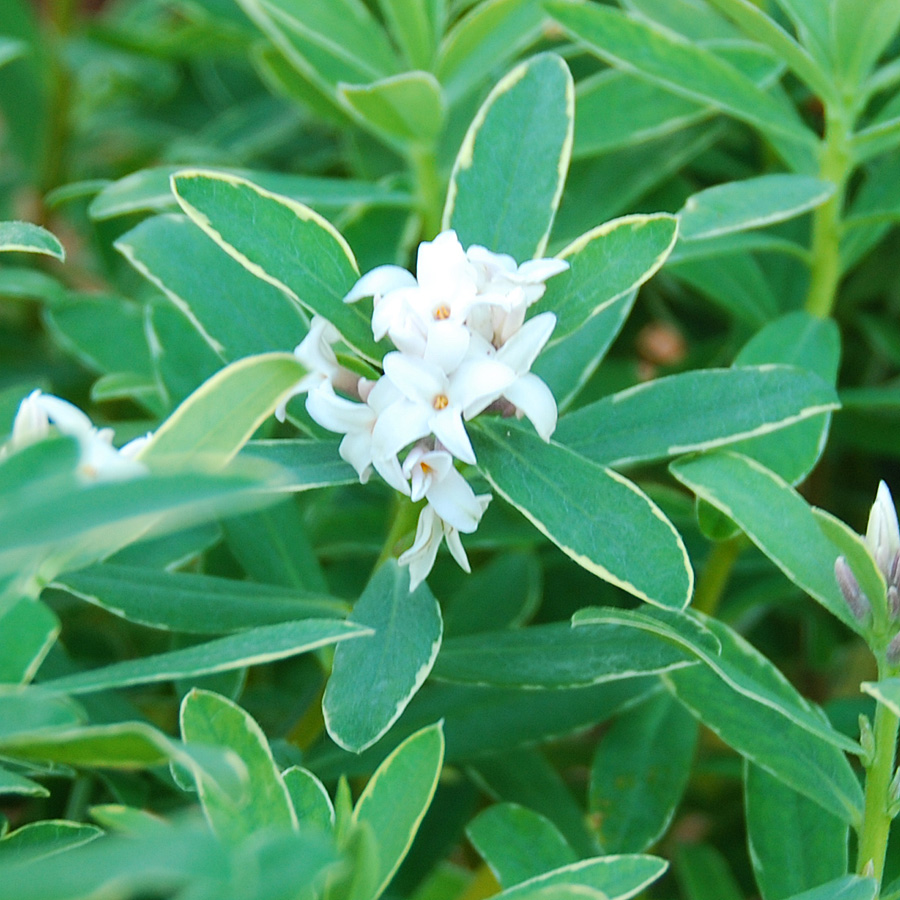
[
  {"x": 463, "y": 345},
  {"x": 99, "y": 459}
]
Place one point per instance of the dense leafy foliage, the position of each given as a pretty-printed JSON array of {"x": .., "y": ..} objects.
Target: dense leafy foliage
[{"x": 229, "y": 670}]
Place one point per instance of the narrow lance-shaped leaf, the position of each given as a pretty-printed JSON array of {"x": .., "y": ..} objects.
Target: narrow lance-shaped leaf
[
  {"x": 372, "y": 683},
  {"x": 256, "y": 646},
  {"x": 696, "y": 410},
  {"x": 679, "y": 65},
  {"x": 207, "y": 718},
  {"x": 193, "y": 604},
  {"x": 407, "y": 108},
  {"x": 752, "y": 203},
  {"x": 508, "y": 177},
  {"x": 28, "y": 630},
  {"x": 398, "y": 795},
  {"x": 606, "y": 264},
  {"x": 23, "y": 237},
  {"x": 774, "y": 517},
  {"x": 282, "y": 242},
  {"x": 237, "y": 313},
  {"x": 518, "y": 843},
  {"x": 199, "y": 429},
  {"x": 594, "y": 515}
]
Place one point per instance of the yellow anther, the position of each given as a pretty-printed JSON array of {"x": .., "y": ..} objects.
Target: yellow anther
[
  {"x": 442, "y": 312},
  {"x": 441, "y": 401}
]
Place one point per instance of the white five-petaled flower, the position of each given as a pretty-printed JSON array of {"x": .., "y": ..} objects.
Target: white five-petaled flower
[{"x": 99, "y": 459}]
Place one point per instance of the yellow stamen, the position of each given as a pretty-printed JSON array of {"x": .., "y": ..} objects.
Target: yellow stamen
[
  {"x": 442, "y": 312},
  {"x": 441, "y": 401}
]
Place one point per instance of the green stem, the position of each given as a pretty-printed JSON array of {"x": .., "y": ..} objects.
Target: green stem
[
  {"x": 835, "y": 166},
  {"x": 715, "y": 575},
  {"x": 876, "y": 823},
  {"x": 404, "y": 522},
  {"x": 429, "y": 189},
  {"x": 79, "y": 797}
]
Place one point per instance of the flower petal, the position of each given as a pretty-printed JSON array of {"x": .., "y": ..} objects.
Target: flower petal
[
  {"x": 521, "y": 350},
  {"x": 448, "y": 428},
  {"x": 531, "y": 396},
  {"x": 417, "y": 379},
  {"x": 379, "y": 281},
  {"x": 455, "y": 502},
  {"x": 399, "y": 424}
]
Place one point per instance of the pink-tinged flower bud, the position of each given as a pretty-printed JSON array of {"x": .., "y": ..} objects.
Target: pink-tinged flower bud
[
  {"x": 853, "y": 594},
  {"x": 892, "y": 654},
  {"x": 893, "y": 598}
]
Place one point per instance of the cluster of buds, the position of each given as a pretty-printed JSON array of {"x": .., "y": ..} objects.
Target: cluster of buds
[
  {"x": 99, "y": 460},
  {"x": 463, "y": 346},
  {"x": 883, "y": 543}
]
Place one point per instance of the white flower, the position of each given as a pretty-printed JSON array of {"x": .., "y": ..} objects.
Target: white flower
[
  {"x": 883, "y": 532},
  {"x": 509, "y": 289},
  {"x": 316, "y": 353},
  {"x": 434, "y": 477},
  {"x": 435, "y": 403},
  {"x": 430, "y": 530},
  {"x": 356, "y": 421},
  {"x": 528, "y": 393},
  {"x": 99, "y": 459}
]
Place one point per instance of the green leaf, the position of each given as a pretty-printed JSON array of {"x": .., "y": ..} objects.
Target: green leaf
[
  {"x": 23, "y": 237},
  {"x": 860, "y": 35},
  {"x": 517, "y": 843},
  {"x": 29, "y": 629},
  {"x": 616, "y": 877},
  {"x": 125, "y": 745},
  {"x": 639, "y": 773},
  {"x": 606, "y": 264},
  {"x": 372, "y": 683},
  {"x": 752, "y": 203},
  {"x": 408, "y": 108},
  {"x": 735, "y": 661},
  {"x": 273, "y": 547},
  {"x": 237, "y": 313},
  {"x": 105, "y": 333},
  {"x": 397, "y": 797},
  {"x": 311, "y": 802},
  {"x": 524, "y": 776},
  {"x": 207, "y": 718},
  {"x": 491, "y": 34},
  {"x": 774, "y": 517},
  {"x": 696, "y": 410},
  {"x": 282, "y": 242},
  {"x": 18, "y": 785},
  {"x": 886, "y": 691},
  {"x": 704, "y": 874},
  {"x": 850, "y": 887},
  {"x": 759, "y": 27},
  {"x": 594, "y": 515},
  {"x": 794, "y": 845},
  {"x": 847, "y": 543},
  {"x": 150, "y": 190},
  {"x": 513, "y": 582},
  {"x": 416, "y": 28},
  {"x": 193, "y": 604},
  {"x": 797, "y": 339},
  {"x": 508, "y": 176},
  {"x": 678, "y": 65},
  {"x": 307, "y": 464},
  {"x": 249, "y": 389},
  {"x": 38, "y": 840},
  {"x": 33, "y": 710},
  {"x": 804, "y": 761},
  {"x": 567, "y": 365},
  {"x": 342, "y": 40},
  {"x": 256, "y": 646},
  {"x": 557, "y": 656}
]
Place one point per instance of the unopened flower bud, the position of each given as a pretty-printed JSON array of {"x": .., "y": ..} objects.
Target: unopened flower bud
[
  {"x": 853, "y": 594},
  {"x": 894, "y": 795},
  {"x": 883, "y": 531},
  {"x": 893, "y": 598},
  {"x": 893, "y": 575}
]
